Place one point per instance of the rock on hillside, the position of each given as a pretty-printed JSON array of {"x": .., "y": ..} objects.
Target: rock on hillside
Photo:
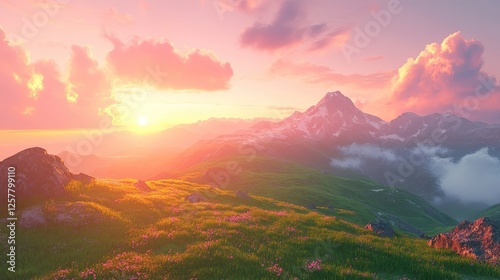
[
  {"x": 381, "y": 228},
  {"x": 38, "y": 175},
  {"x": 61, "y": 213},
  {"x": 479, "y": 239}
]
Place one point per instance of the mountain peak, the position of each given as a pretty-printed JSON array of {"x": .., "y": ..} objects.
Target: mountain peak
[
  {"x": 336, "y": 101},
  {"x": 336, "y": 93}
]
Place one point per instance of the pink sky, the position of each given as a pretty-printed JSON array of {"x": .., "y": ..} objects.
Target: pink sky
[{"x": 72, "y": 64}]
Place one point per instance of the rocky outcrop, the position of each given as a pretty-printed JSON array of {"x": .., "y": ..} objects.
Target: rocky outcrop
[
  {"x": 33, "y": 217},
  {"x": 62, "y": 213},
  {"x": 381, "y": 228},
  {"x": 479, "y": 240},
  {"x": 142, "y": 186},
  {"x": 311, "y": 206},
  {"x": 196, "y": 197},
  {"x": 82, "y": 177},
  {"x": 242, "y": 194},
  {"x": 38, "y": 175},
  {"x": 403, "y": 225}
]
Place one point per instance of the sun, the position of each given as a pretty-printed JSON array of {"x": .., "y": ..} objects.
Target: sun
[{"x": 142, "y": 121}]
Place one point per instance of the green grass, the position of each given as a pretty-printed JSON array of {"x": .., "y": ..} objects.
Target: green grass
[
  {"x": 491, "y": 212},
  {"x": 357, "y": 201},
  {"x": 160, "y": 235}
]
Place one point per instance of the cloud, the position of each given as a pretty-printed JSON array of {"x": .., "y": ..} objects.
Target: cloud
[
  {"x": 246, "y": 5},
  {"x": 112, "y": 15},
  {"x": 36, "y": 92},
  {"x": 355, "y": 155},
  {"x": 159, "y": 64},
  {"x": 446, "y": 76},
  {"x": 316, "y": 74},
  {"x": 15, "y": 73},
  {"x": 87, "y": 83},
  {"x": 144, "y": 5},
  {"x": 373, "y": 58},
  {"x": 289, "y": 29},
  {"x": 473, "y": 178},
  {"x": 347, "y": 163}
]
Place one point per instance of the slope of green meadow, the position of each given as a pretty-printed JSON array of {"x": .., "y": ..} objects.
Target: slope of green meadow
[
  {"x": 356, "y": 201},
  {"x": 160, "y": 235}
]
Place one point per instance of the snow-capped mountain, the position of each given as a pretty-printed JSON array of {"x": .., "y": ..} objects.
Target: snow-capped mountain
[
  {"x": 335, "y": 129},
  {"x": 333, "y": 116},
  {"x": 335, "y": 121}
]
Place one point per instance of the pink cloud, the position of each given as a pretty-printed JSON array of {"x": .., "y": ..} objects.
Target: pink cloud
[
  {"x": 112, "y": 15},
  {"x": 162, "y": 66},
  {"x": 35, "y": 93},
  {"x": 249, "y": 5},
  {"x": 82, "y": 69},
  {"x": 18, "y": 81},
  {"x": 144, "y": 5},
  {"x": 373, "y": 58},
  {"x": 446, "y": 77},
  {"x": 316, "y": 74},
  {"x": 289, "y": 29}
]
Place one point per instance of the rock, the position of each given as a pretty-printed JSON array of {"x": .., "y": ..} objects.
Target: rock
[
  {"x": 479, "y": 240},
  {"x": 142, "y": 186},
  {"x": 403, "y": 225},
  {"x": 311, "y": 206},
  {"x": 62, "y": 213},
  {"x": 33, "y": 217},
  {"x": 84, "y": 178},
  {"x": 424, "y": 236},
  {"x": 330, "y": 207},
  {"x": 196, "y": 197},
  {"x": 242, "y": 194},
  {"x": 381, "y": 228},
  {"x": 38, "y": 176},
  {"x": 75, "y": 214}
]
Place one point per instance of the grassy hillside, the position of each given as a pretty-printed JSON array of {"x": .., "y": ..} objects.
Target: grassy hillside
[
  {"x": 357, "y": 201},
  {"x": 160, "y": 235},
  {"x": 491, "y": 212}
]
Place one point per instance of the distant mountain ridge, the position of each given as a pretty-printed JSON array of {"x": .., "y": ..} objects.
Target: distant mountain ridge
[
  {"x": 335, "y": 114},
  {"x": 335, "y": 120},
  {"x": 324, "y": 131}
]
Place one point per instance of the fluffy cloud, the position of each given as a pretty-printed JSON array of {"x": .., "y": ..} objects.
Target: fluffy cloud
[
  {"x": 35, "y": 94},
  {"x": 473, "y": 178},
  {"x": 316, "y": 74},
  {"x": 289, "y": 29},
  {"x": 15, "y": 74},
  {"x": 82, "y": 69},
  {"x": 245, "y": 5},
  {"x": 355, "y": 155},
  {"x": 113, "y": 16},
  {"x": 158, "y": 64},
  {"x": 444, "y": 77}
]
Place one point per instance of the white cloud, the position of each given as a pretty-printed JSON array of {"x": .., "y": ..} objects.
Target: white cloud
[
  {"x": 347, "y": 163},
  {"x": 474, "y": 178},
  {"x": 356, "y": 154}
]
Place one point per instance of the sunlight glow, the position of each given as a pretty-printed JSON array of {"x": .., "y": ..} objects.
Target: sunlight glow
[{"x": 142, "y": 121}]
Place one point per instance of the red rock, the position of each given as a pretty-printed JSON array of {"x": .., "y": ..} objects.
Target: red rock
[{"x": 479, "y": 240}]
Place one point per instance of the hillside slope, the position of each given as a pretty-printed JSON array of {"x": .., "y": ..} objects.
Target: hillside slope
[
  {"x": 491, "y": 212},
  {"x": 158, "y": 234},
  {"x": 357, "y": 201}
]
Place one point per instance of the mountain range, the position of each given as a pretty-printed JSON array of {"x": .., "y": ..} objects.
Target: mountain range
[
  {"x": 338, "y": 138},
  {"x": 290, "y": 184}
]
